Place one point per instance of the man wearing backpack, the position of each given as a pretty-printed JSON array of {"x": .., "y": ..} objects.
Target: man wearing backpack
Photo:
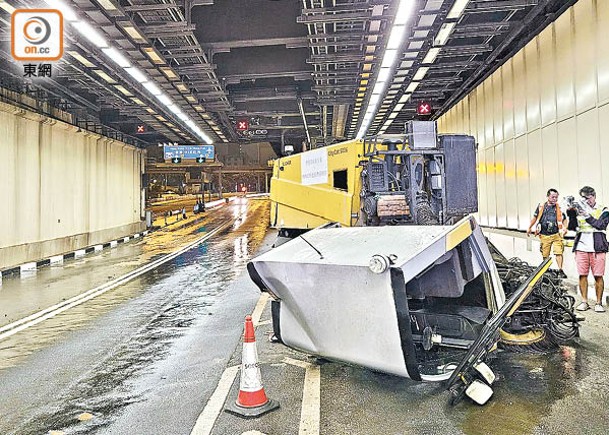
[{"x": 550, "y": 225}]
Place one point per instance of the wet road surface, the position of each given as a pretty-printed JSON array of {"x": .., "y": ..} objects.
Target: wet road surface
[
  {"x": 563, "y": 391},
  {"x": 145, "y": 357},
  {"x": 142, "y": 344}
]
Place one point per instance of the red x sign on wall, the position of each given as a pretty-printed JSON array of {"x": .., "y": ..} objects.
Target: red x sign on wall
[
  {"x": 243, "y": 124},
  {"x": 424, "y": 108},
  {"x": 140, "y": 129}
]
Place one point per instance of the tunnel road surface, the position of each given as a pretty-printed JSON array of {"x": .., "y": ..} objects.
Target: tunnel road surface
[{"x": 156, "y": 345}]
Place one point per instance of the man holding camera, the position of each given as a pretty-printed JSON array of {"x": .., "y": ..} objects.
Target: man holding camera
[
  {"x": 590, "y": 246},
  {"x": 550, "y": 224}
]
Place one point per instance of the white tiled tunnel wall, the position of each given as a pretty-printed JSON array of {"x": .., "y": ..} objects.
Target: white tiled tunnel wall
[{"x": 542, "y": 119}]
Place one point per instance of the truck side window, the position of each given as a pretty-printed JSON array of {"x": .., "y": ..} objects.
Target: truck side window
[{"x": 340, "y": 179}]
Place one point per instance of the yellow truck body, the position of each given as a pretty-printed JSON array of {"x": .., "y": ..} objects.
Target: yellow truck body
[{"x": 318, "y": 186}]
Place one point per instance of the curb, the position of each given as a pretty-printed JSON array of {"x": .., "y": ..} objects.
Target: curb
[{"x": 33, "y": 266}]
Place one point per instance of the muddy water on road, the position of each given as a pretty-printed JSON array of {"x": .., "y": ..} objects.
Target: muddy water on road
[
  {"x": 143, "y": 318},
  {"x": 527, "y": 387}
]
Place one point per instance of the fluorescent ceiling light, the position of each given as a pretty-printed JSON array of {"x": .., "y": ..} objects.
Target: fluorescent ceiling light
[
  {"x": 392, "y": 115},
  {"x": 191, "y": 98},
  {"x": 182, "y": 87},
  {"x": 132, "y": 31},
  {"x": 66, "y": 11},
  {"x": 431, "y": 55},
  {"x": 152, "y": 88},
  {"x": 107, "y": 5},
  {"x": 90, "y": 34},
  {"x": 444, "y": 33},
  {"x": 396, "y": 37},
  {"x": 412, "y": 87},
  {"x": 374, "y": 98},
  {"x": 8, "y": 8},
  {"x": 169, "y": 73},
  {"x": 457, "y": 9},
  {"x": 116, "y": 56},
  {"x": 404, "y": 12},
  {"x": 404, "y": 98},
  {"x": 398, "y": 107},
  {"x": 136, "y": 74},
  {"x": 153, "y": 55},
  {"x": 383, "y": 76},
  {"x": 138, "y": 101},
  {"x": 149, "y": 110},
  {"x": 123, "y": 90},
  {"x": 418, "y": 76},
  {"x": 389, "y": 58},
  {"x": 174, "y": 109},
  {"x": 76, "y": 55},
  {"x": 104, "y": 76},
  {"x": 164, "y": 99}
]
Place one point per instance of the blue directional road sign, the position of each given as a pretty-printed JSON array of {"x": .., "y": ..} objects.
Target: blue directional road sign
[{"x": 189, "y": 151}]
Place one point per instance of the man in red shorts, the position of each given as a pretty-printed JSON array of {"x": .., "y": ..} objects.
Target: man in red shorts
[{"x": 590, "y": 247}]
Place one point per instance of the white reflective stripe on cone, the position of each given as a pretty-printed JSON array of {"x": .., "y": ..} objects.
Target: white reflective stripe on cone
[{"x": 251, "y": 379}]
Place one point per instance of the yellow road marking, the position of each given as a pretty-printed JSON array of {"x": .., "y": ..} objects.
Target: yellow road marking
[
  {"x": 257, "y": 313},
  {"x": 85, "y": 416}
]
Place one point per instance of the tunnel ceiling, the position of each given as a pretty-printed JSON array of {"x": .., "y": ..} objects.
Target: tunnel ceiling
[{"x": 280, "y": 65}]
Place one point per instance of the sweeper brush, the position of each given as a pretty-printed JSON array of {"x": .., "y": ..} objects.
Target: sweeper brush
[{"x": 546, "y": 319}]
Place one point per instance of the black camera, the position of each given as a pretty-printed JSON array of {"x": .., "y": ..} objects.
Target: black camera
[{"x": 580, "y": 204}]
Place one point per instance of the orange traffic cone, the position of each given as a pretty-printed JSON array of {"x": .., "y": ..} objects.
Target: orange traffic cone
[{"x": 252, "y": 400}]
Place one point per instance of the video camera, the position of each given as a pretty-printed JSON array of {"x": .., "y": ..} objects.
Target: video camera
[{"x": 580, "y": 205}]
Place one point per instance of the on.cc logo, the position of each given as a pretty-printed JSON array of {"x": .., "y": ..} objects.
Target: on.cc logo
[{"x": 37, "y": 30}]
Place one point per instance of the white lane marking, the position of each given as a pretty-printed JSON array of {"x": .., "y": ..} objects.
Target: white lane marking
[
  {"x": 265, "y": 322},
  {"x": 311, "y": 397},
  {"x": 311, "y": 402},
  {"x": 205, "y": 422},
  {"x": 257, "y": 313},
  {"x": 12, "y": 328},
  {"x": 253, "y": 432}
]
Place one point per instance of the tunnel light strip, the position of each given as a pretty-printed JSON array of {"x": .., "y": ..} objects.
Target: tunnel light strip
[
  {"x": 457, "y": 10},
  {"x": 117, "y": 57},
  {"x": 398, "y": 30},
  {"x": 402, "y": 16},
  {"x": 8, "y": 8}
]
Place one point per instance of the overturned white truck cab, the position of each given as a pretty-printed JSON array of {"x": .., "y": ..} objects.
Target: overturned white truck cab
[{"x": 417, "y": 302}]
